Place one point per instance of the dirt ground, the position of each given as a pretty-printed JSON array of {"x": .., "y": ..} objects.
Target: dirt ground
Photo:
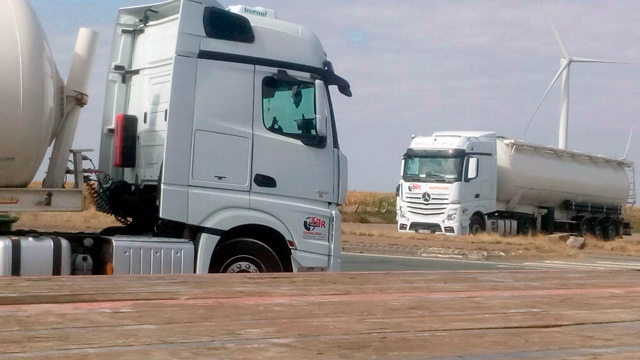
[{"x": 385, "y": 238}]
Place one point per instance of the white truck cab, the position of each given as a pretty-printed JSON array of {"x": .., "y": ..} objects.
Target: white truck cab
[
  {"x": 234, "y": 130},
  {"x": 441, "y": 185},
  {"x": 219, "y": 148}
]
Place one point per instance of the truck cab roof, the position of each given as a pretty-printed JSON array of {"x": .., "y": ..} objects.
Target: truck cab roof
[
  {"x": 443, "y": 140},
  {"x": 274, "y": 39},
  {"x": 467, "y": 134}
]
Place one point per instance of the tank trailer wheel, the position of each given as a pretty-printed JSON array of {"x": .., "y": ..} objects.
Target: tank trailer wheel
[
  {"x": 585, "y": 227},
  {"x": 599, "y": 229},
  {"x": 528, "y": 228},
  {"x": 245, "y": 256},
  {"x": 476, "y": 225},
  {"x": 610, "y": 230}
]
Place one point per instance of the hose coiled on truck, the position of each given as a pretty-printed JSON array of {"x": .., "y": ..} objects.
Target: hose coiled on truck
[{"x": 98, "y": 190}]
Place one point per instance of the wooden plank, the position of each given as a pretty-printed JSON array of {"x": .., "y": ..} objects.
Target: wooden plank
[{"x": 441, "y": 315}]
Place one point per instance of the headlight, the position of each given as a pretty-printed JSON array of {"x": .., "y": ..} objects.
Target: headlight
[
  {"x": 403, "y": 212},
  {"x": 451, "y": 215}
]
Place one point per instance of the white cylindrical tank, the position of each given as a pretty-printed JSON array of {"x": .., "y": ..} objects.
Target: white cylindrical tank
[
  {"x": 547, "y": 177},
  {"x": 31, "y": 93}
]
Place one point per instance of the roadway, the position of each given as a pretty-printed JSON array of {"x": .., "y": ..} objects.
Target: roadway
[{"x": 368, "y": 262}]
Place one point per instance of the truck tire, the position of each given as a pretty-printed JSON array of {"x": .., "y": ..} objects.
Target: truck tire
[
  {"x": 528, "y": 228},
  {"x": 610, "y": 230},
  {"x": 245, "y": 255},
  {"x": 476, "y": 225},
  {"x": 599, "y": 228},
  {"x": 585, "y": 227}
]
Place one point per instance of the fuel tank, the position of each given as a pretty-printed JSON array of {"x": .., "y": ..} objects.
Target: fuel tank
[
  {"x": 546, "y": 176},
  {"x": 31, "y": 93}
]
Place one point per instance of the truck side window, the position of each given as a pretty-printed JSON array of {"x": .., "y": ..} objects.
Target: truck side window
[
  {"x": 288, "y": 108},
  {"x": 473, "y": 166}
]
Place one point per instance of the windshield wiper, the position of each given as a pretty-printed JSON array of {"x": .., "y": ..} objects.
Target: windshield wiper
[
  {"x": 412, "y": 178},
  {"x": 432, "y": 175}
]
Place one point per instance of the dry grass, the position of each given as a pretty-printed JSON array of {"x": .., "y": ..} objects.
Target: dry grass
[
  {"x": 87, "y": 220},
  {"x": 369, "y": 207},
  {"x": 524, "y": 246},
  {"x": 633, "y": 216},
  {"x": 372, "y": 200}
]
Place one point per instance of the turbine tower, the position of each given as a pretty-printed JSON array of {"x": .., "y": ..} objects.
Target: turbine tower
[{"x": 565, "y": 67}]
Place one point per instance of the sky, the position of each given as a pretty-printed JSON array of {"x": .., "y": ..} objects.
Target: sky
[{"x": 419, "y": 67}]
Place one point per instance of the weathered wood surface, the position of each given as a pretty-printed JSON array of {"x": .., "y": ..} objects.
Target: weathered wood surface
[{"x": 411, "y": 315}]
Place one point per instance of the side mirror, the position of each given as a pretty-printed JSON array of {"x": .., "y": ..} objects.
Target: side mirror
[
  {"x": 472, "y": 169},
  {"x": 322, "y": 108}
]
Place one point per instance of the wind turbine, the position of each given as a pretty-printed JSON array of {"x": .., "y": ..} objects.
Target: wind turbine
[{"x": 565, "y": 67}]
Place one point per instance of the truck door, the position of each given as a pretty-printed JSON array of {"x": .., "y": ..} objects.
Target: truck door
[{"x": 291, "y": 156}]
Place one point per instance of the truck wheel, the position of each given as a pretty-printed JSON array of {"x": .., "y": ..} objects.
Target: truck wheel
[
  {"x": 245, "y": 256},
  {"x": 476, "y": 225},
  {"x": 528, "y": 228},
  {"x": 610, "y": 230},
  {"x": 585, "y": 227},
  {"x": 599, "y": 229}
]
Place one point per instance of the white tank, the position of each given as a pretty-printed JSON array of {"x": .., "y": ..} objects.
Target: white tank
[
  {"x": 30, "y": 93},
  {"x": 548, "y": 176}
]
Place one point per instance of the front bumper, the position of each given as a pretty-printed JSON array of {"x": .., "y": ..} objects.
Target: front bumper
[{"x": 430, "y": 227}]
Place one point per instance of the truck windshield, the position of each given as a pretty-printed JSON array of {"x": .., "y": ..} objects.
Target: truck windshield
[{"x": 432, "y": 169}]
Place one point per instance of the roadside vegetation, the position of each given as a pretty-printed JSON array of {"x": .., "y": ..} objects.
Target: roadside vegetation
[
  {"x": 369, "y": 208},
  {"x": 495, "y": 246}
]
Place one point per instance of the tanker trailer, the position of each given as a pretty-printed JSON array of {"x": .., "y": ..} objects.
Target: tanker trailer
[
  {"x": 468, "y": 182},
  {"x": 37, "y": 107}
]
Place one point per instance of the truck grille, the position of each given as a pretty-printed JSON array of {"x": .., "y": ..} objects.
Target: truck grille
[
  {"x": 435, "y": 207},
  {"x": 418, "y": 226}
]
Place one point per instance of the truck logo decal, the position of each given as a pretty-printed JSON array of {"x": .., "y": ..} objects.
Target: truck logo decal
[
  {"x": 312, "y": 223},
  {"x": 9, "y": 201},
  {"x": 414, "y": 187},
  {"x": 426, "y": 197}
]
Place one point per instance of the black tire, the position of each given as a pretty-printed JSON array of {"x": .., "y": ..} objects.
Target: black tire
[
  {"x": 528, "y": 228},
  {"x": 599, "y": 229},
  {"x": 610, "y": 230},
  {"x": 245, "y": 256},
  {"x": 585, "y": 227},
  {"x": 476, "y": 225}
]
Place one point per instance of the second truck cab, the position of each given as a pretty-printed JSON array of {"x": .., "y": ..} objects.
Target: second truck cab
[{"x": 431, "y": 195}]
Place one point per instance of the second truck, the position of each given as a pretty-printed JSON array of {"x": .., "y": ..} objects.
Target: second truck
[{"x": 460, "y": 183}]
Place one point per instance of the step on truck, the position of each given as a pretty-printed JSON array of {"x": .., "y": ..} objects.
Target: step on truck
[
  {"x": 219, "y": 149},
  {"x": 460, "y": 183}
]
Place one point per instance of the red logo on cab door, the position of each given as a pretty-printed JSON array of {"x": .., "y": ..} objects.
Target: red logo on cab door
[{"x": 312, "y": 223}]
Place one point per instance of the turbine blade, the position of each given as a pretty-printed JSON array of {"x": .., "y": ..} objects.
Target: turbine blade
[
  {"x": 565, "y": 64},
  {"x": 628, "y": 143},
  {"x": 575, "y": 59},
  {"x": 555, "y": 31}
]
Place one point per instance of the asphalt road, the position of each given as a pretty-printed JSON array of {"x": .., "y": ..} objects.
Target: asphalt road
[{"x": 365, "y": 262}]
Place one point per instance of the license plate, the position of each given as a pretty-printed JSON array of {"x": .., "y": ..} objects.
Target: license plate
[{"x": 422, "y": 231}]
